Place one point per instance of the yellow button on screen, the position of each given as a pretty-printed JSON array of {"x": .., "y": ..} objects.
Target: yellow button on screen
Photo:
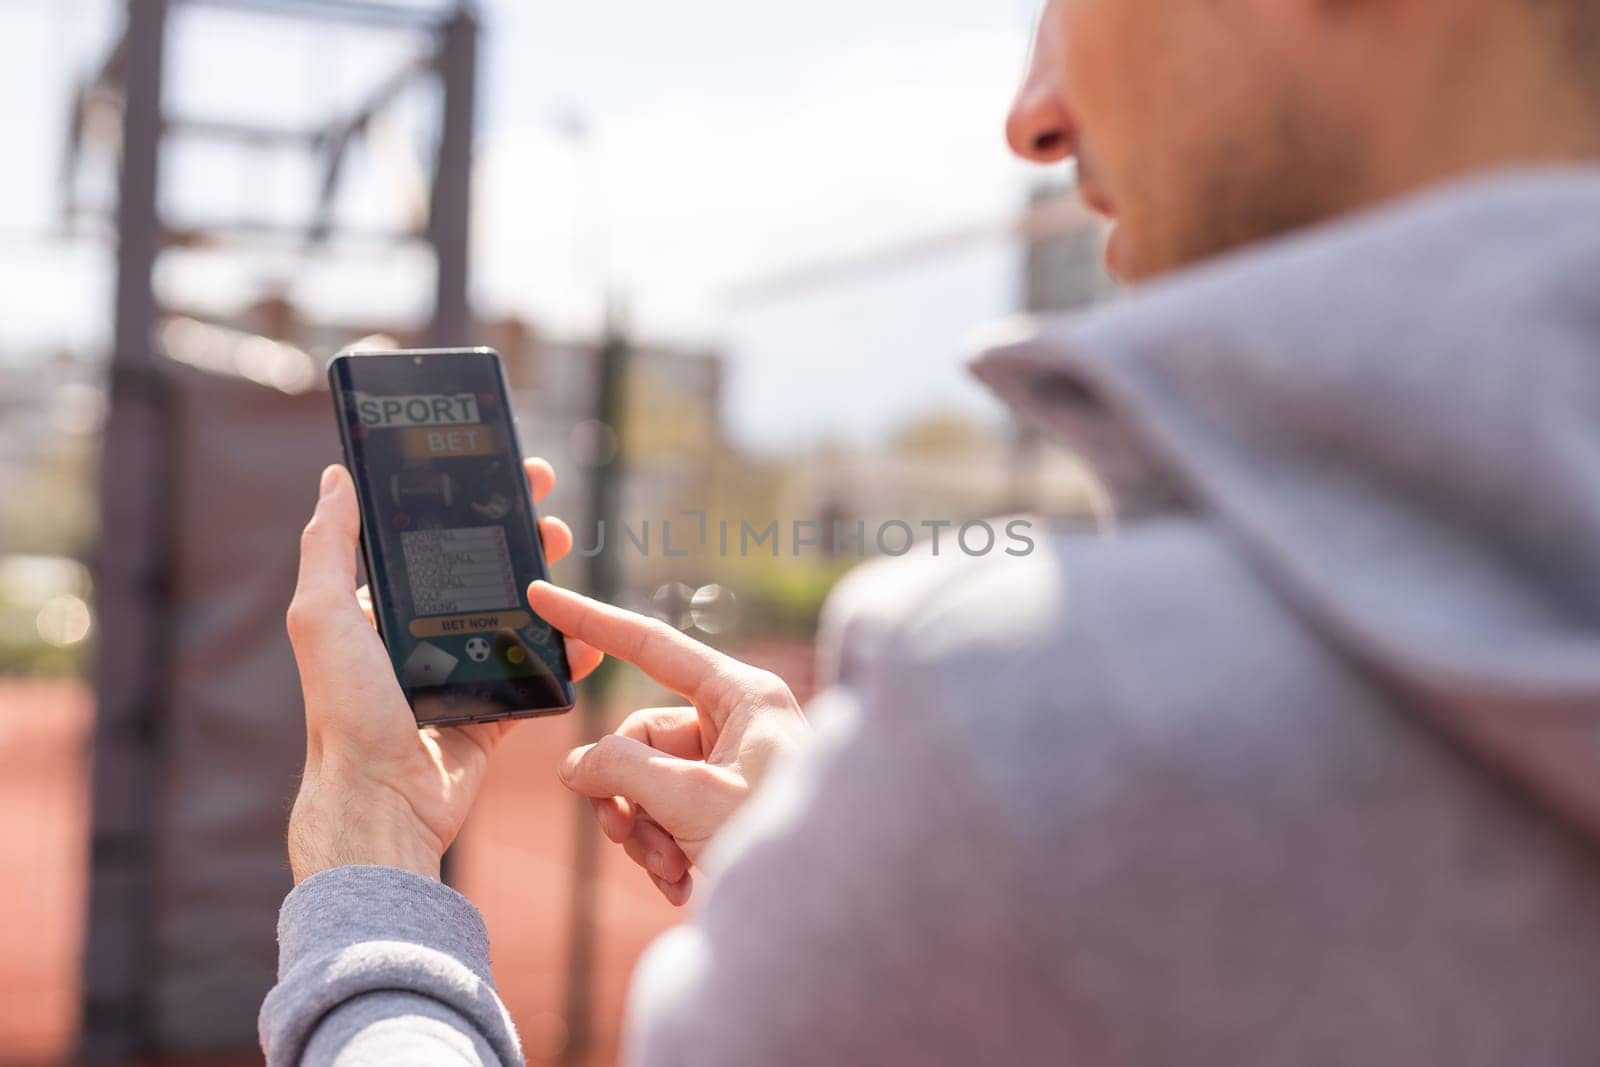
[
  {"x": 459, "y": 625},
  {"x": 447, "y": 442}
]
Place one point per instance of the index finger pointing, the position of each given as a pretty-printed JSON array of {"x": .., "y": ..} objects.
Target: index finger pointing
[{"x": 694, "y": 671}]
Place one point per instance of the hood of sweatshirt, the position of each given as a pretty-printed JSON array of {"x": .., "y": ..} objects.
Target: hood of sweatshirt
[{"x": 1396, "y": 418}]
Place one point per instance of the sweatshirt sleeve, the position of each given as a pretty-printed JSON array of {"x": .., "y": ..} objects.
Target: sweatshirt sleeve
[
  {"x": 378, "y": 965},
  {"x": 866, "y": 906}
]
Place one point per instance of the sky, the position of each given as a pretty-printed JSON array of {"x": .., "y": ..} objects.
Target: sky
[{"x": 721, "y": 143}]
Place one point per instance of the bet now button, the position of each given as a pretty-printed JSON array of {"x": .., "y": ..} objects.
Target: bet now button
[{"x": 453, "y": 625}]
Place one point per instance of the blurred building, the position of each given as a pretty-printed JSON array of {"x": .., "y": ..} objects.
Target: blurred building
[
  {"x": 939, "y": 469},
  {"x": 1063, "y": 272},
  {"x": 673, "y": 438},
  {"x": 1063, "y": 269}
]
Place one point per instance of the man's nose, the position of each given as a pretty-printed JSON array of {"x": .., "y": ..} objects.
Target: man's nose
[{"x": 1039, "y": 128}]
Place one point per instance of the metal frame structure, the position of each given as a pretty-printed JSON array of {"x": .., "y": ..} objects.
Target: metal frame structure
[
  {"x": 133, "y": 561},
  {"x": 605, "y": 583}
]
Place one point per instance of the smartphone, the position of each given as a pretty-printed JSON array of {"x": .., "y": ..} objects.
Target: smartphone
[{"x": 448, "y": 534}]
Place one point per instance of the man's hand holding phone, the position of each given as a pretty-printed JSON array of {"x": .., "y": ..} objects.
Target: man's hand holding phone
[
  {"x": 668, "y": 778},
  {"x": 376, "y": 789}
]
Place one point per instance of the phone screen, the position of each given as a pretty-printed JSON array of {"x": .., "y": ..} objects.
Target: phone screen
[{"x": 449, "y": 534}]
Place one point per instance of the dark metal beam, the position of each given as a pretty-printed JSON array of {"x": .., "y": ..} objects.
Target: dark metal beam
[
  {"x": 244, "y": 232},
  {"x": 110, "y": 73},
  {"x": 450, "y": 207},
  {"x": 605, "y": 584},
  {"x": 131, "y": 565},
  {"x": 353, "y": 11},
  {"x": 335, "y": 138},
  {"x": 106, "y": 81}
]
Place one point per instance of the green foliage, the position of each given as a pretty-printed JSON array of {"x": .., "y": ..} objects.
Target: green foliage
[
  {"x": 784, "y": 598},
  {"x": 39, "y": 660},
  {"x": 24, "y": 654}
]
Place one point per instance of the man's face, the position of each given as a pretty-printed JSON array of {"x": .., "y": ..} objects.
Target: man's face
[{"x": 1197, "y": 124}]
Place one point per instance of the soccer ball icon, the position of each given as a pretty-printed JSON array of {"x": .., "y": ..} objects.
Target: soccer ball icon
[{"x": 478, "y": 649}]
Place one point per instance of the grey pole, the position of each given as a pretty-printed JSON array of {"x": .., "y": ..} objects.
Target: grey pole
[
  {"x": 131, "y": 574},
  {"x": 450, "y": 208},
  {"x": 450, "y": 212},
  {"x": 605, "y": 583}
]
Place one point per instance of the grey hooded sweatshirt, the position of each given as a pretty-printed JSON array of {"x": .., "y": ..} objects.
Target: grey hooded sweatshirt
[{"x": 1304, "y": 771}]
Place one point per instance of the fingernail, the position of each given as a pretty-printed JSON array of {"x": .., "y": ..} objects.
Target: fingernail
[
  {"x": 330, "y": 478},
  {"x": 569, "y": 763},
  {"x": 656, "y": 865}
]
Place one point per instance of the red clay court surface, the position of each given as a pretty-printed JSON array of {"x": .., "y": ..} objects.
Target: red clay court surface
[
  {"x": 44, "y": 760},
  {"x": 514, "y": 862}
]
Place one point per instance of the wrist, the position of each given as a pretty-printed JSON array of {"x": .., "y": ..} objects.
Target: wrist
[{"x": 332, "y": 826}]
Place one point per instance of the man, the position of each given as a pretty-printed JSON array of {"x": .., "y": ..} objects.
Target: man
[{"x": 1303, "y": 772}]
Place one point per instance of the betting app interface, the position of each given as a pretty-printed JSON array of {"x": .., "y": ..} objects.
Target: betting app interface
[{"x": 450, "y": 533}]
